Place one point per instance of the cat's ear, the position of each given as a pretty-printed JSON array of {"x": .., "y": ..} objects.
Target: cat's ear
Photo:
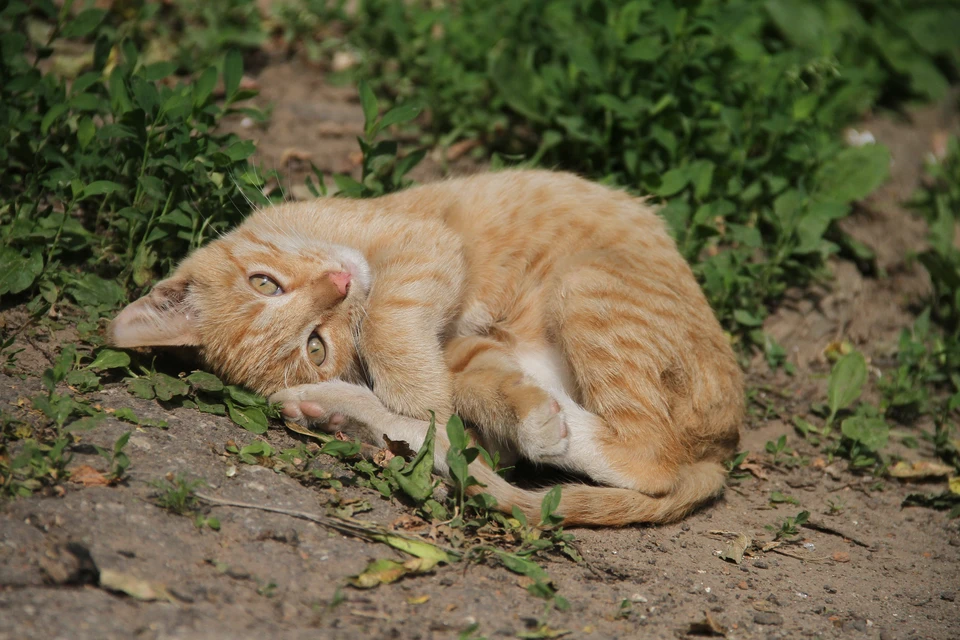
[{"x": 162, "y": 318}]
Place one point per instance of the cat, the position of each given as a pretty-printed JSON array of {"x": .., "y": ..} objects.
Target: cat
[{"x": 553, "y": 313}]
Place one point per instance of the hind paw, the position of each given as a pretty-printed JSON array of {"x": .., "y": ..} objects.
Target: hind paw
[{"x": 543, "y": 432}]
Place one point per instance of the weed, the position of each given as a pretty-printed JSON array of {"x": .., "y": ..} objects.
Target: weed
[
  {"x": 117, "y": 460},
  {"x": 777, "y": 497},
  {"x": 836, "y": 506},
  {"x": 790, "y": 526},
  {"x": 176, "y": 494}
]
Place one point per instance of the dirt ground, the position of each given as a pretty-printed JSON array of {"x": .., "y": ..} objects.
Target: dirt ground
[{"x": 870, "y": 569}]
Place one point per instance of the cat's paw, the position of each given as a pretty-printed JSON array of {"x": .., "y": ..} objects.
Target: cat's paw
[
  {"x": 543, "y": 432},
  {"x": 329, "y": 405}
]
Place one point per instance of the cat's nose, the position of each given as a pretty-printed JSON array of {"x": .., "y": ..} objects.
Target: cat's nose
[{"x": 341, "y": 280}]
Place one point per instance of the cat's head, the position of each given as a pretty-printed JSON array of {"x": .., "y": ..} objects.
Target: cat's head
[{"x": 264, "y": 307}]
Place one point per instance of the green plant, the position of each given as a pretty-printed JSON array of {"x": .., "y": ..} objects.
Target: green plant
[
  {"x": 117, "y": 460},
  {"x": 175, "y": 493},
  {"x": 790, "y": 526}
]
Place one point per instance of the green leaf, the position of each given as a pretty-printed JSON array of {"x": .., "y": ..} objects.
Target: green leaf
[
  {"x": 401, "y": 114},
  {"x": 110, "y": 359},
  {"x": 672, "y": 182},
  {"x": 244, "y": 397},
  {"x": 871, "y": 433},
  {"x": 549, "y": 504},
  {"x": 84, "y": 24},
  {"x": 203, "y": 381},
  {"x": 203, "y": 87},
  {"x": 16, "y": 272},
  {"x": 232, "y": 73},
  {"x": 250, "y": 418},
  {"x": 341, "y": 449},
  {"x": 416, "y": 478},
  {"x": 51, "y": 115},
  {"x": 141, "y": 388},
  {"x": 846, "y": 382},
  {"x": 854, "y": 173},
  {"x": 168, "y": 387},
  {"x": 368, "y": 102},
  {"x": 100, "y": 188}
]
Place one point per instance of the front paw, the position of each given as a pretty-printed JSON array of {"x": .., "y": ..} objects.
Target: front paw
[{"x": 322, "y": 404}]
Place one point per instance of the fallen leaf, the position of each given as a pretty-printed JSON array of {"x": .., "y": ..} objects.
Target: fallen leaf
[
  {"x": 920, "y": 469},
  {"x": 837, "y": 349},
  {"x": 296, "y": 428},
  {"x": 736, "y": 548},
  {"x": 706, "y": 627},
  {"x": 88, "y": 476},
  {"x": 418, "y": 599},
  {"x": 755, "y": 469},
  {"x": 840, "y": 556},
  {"x": 134, "y": 587},
  {"x": 383, "y": 457},
  {"x": 378, "y": 572},
  {"x": 955, "y": 485},
  {"x": 399, "y": 448}
]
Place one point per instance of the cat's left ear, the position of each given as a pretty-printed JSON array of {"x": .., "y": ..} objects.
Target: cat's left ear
[{"x": 162, "y": 318}]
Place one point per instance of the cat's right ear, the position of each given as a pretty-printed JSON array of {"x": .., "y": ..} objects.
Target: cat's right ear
[{"x": 162, "y": 318}]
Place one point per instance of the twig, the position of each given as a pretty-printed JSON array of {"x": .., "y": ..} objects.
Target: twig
[
  {"x": 824, "y": 528},
  {"x": 784, "y": 552},
  {"x": 365, "y": 531}
]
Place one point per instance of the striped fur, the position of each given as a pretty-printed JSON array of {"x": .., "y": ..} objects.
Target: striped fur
[{"x": 553, "y": 313}]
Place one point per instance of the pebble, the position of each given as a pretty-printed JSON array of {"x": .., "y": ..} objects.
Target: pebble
[
  {"x": 829, "y": 589},
  {"x": 886, "y": 635},
  {"x": 768, "y": 618},
  {"x": 760, "y": 564},
  {"x": 855, "y": 624},
  {"x": 949, "y": 596}
]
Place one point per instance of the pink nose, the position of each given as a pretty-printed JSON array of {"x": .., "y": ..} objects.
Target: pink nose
[{"x": 341, "y": 279}]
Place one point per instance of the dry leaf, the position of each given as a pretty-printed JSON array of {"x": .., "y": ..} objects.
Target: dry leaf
[
  {"x": 707, "y": 627},
  {"x": 133, "y": 586},
  {"x": 399, "y": 448},
  {"x": 920, "y": 469},
  {"x": 457, "y": 149},
  {"x": 88, "y": 476},
  {"x": 736, "y": 548},
  {"x": 755, "y": 469},
  {"x": 383, "y": 457},
  {"x": 840, "y": 556},
  {"x": 955, "y": 485},
  {"x": 418, "y": 599}
]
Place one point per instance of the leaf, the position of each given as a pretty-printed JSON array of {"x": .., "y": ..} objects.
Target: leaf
[
  {"x": 419, "y": 548},
  {"x": 250, "y": 418},
  {"x": 141, "y": 388},
  {"x": 920, "y": 469},
  {"x": 549, "y": 504},
  {"x": 673, "y": 181},
  {"x": 401, "y": 114},
  {"x": 16, "y": 272},
  {"x": 109, "y": 359},
  {"x": 100, "y": 188},
  {"x": 368, "y": 102},
  {"x": 203, "y": 87},
  {"x": 232, "y": 73},
  {"x": 134, "y": 587},
  {"x": 84, "y": 24},
  {"x": 341, "y": 448},
  {"x": 854, "y": 173},
  {"x": 734, "y": 551},
  {"x": 871, "y": 433},
  {"x": 88, "y": 476},
  {"x": 385, "y": 571},
  {"x": 954, "y": 485},
  {"x": 244, "y": 397},
  {"x": 416, "y": 478},
  {"x": 167, "y": 387},
  {"x": 203, "y": 381},
  {"x": 846, "y": 382}
]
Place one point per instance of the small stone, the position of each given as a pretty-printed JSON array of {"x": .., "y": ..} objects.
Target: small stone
[
  {"x": 855, "y": 624},
  {"x": 886, "y": 635},
  {"x": 760, "y": 564},
  {"x": 685, "y": 527},
  {"x": 743, "y": 584},
  {"x": 768, "y": 618},
  {"x": 949, "y": 596},
  {"x": 829, "y": 589}
]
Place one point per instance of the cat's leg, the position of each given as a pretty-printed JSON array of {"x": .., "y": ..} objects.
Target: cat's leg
[
  {"x": 619, "y": 331},
  {"x": 355, "y": 410},
  {"x": 510, "y": 409}
]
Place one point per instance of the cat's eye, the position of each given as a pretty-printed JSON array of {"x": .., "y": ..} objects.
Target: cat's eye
[
  {"x": 316, "y": 350},
  {"x": 265, "y": 285}
]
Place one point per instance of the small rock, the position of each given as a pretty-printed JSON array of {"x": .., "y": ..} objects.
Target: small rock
[
  {"x": 760, "y": 564},
  {"x": 743, "y": 584},
  {"x": 949, "y": 596},
  {"x": 855, "y": 624},
  {"x": 829, "y": 589},
  {"x": 886, "y": 635},
  {"x": 768, "y": 618},
  {"x": 637, "y": 598}
]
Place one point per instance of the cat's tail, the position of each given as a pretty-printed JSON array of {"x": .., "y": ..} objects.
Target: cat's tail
[{"x": 593, "y": 506}]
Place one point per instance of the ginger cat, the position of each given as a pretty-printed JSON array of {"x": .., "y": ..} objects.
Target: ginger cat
[{"x": 552, "y": 313}]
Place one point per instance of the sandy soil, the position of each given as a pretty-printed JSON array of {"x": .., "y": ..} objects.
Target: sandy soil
[{"x": 870, "y": 569}]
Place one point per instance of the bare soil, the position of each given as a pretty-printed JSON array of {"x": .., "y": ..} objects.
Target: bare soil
[{"x": 870, "y": 568}]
